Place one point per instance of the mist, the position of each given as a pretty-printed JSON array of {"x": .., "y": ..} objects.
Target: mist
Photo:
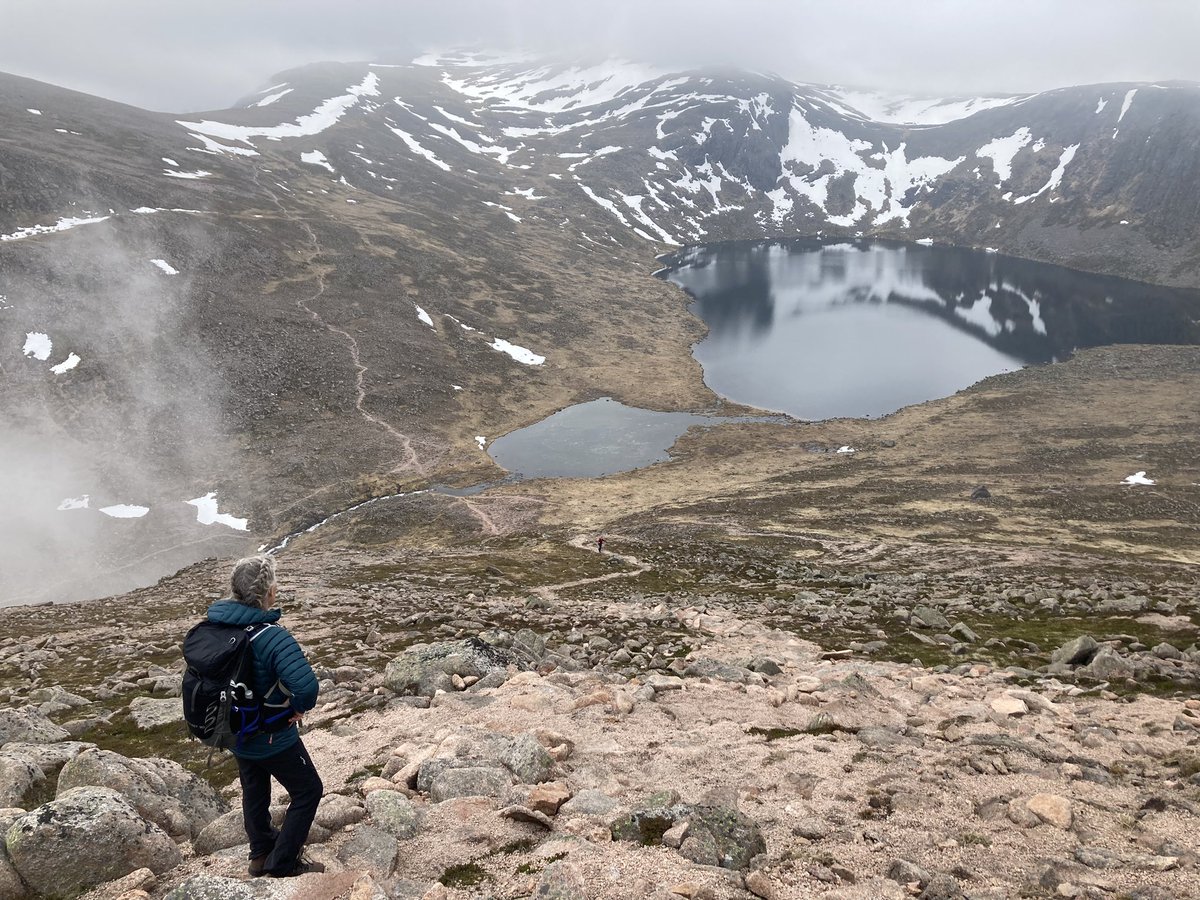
[
  {"x": 182, "y": 58},
  {"x": 137, "y": 421}
]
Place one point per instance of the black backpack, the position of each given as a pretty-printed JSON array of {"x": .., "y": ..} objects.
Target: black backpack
[{"x": 219, "y": 702}]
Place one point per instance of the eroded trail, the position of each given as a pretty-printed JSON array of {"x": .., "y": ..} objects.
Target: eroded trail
[
  {"x": 410, "y": 461},
  {"x": 584, "y": 542}
]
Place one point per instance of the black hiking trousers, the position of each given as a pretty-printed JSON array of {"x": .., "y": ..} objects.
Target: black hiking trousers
[{"x": 293, "y": 769}]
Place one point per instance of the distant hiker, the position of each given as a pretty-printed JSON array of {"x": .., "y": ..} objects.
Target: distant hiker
[
  {"x": 600, "y": 544},
  {"x": 285, "y": 681}
]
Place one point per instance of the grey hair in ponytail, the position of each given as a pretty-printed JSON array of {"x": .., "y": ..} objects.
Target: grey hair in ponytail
[{"x": 252, "y": 578}]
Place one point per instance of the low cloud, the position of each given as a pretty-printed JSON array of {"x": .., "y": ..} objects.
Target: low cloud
[{"x": 179, "y": 58}]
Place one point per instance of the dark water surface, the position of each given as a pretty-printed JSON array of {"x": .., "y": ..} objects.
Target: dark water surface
[
  {"x": 819, "y": 330},
  {"x": 597, "y": 438}
]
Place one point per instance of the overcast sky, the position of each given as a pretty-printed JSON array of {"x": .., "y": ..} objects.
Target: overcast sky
[{"x": 175, "y": 56}]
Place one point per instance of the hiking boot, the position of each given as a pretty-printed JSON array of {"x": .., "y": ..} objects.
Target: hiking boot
[
  {"x": 302, "y": 867},
  {"x": 256, "y": 865}
]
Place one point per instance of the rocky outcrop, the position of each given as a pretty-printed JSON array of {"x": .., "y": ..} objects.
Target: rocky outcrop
[
  {"x": 171, "y": 797},
  {"x": 425, "y": 669},
  {"x": 28, "y": 725},
  {"x": 88, "y": 836}
]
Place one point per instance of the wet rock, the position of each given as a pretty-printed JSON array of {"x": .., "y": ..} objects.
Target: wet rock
[
  {"x": 87, "y": 837},
  {"x": 394, "y": 813},
  {"x": 163, "y": 791},
  {"x": 29, "y": 726}
]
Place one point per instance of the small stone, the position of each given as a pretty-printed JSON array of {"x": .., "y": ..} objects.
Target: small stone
[
  {"x": 547, "y": 798},
  {"x": 524, "y": 814},
  {"x": 1052, "y": 809},
  {"x": 1009, "y": 706},
  {"x": 674, "y": 836},
  {"x": 760, "y": 885}
]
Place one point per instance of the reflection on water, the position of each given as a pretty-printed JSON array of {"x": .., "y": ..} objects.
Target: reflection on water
[
  {"x": 819, "y": 330},
  {"x": 597, "y": 438}
]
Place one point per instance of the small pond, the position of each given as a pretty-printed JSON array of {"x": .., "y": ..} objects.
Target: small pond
[
  {"x": 819, "y": 330},
  {"x": 597, "y": 438}
]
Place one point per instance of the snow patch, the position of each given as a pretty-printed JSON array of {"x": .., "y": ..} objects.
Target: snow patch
[
  {"x": 166, "y": 267},
  {"x": 67, "y": 364},
  {"x": 271, "y": 98},
  {"x": 216, "y": 147},
  {"x": 324, "y": 116},
  {"x": 37, "y": 345},
  {"x": 481, "y": 441},
  {"x": 207, "y": 514},
  {"x": 125, "y": 511},
  {"x": 520, "y": 354},
  {"x": 1138, "y": 478},
  {"x": 75, "y": 503},
  {"x": 199, "y": 173},
  {"x": 31, "y": 110},
  {"x": 316, "y": 158},
  {"x": 1128, "y": 102},
  {"x": 423, "y": 316},
  {"x": 1055, "y": 177},
  {"x": 1002, "y": 150},
  {"x": 908, "y": 110},
  {"x": 61, "y": 225},
  {"x": 417, "y": 148}
]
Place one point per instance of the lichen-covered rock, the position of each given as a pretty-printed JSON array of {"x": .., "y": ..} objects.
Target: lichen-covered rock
[
  {"x": 18, "y": 778},
  {"x": 214, "y": 887},
  {"x": 88, "y": 836},
  {"x": 148, "y": 713},
  {"x": 394, "y": 813},
  {"x": 735, "y": 838},
  {"x": 163, "y": 791},
  {"x": 28, "y": 725},
  {"x": 470, "y": 781},
  {"x": 221, "y": 833},
  {"x": 372, "y": 849},
  {"x": 424, "y": 669},
  {"x": 528, "y": 760},
  {"x": 560, "y": 881},
  {"x": 11, "y": 886}
]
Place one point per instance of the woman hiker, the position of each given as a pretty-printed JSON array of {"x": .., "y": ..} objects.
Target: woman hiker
[{"x": 285, "y": 680}]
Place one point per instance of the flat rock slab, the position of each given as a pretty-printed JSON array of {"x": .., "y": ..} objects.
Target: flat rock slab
[
  {"x": 29, "y": 726},
  {"x": 149, "y": 713}
]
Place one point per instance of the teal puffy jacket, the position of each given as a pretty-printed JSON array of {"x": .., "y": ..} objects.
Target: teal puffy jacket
[{"x": 282, "y": 675}]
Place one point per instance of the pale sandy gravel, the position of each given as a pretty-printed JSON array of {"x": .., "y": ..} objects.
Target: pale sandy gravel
[{"x": 696, "y": 740}]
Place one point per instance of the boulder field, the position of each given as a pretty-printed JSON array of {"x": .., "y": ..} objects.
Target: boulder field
[{"x": 758, "y": 766}]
